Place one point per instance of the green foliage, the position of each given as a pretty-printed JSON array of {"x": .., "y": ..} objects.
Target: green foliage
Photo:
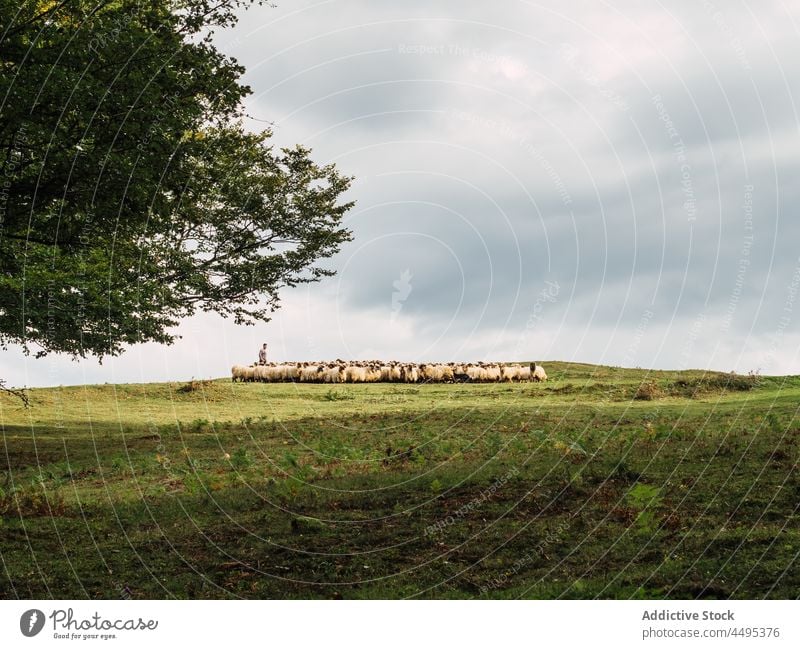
[
  {"x": 33, "y": 500},
  {"x": 494, "y": 443},
  {"x": 290, "y": 460},
  {"x": 645, "y": 498},
  {"x": 774, "y": 423},
  {"x": 135, "y": 194},
  {"x": 338, "y": 395},
  {"x": 306, "y": 524},
  {"x": 241, "y": 459},
  {"x": 712, "y": 382}
]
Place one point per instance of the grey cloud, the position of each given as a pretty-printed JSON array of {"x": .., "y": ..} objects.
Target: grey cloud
[{"x": 495, "y": 161}]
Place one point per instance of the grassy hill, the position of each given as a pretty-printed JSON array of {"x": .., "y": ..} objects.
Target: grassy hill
[{"x": 603, "y": 482}]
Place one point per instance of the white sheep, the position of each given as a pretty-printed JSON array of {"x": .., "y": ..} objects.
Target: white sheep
[
  {"x": 292, "y": 372},
  {"x": 493, "y": 373},
  {"x": 475, "y": 372},
  {"x": 410, "y": 373},
  {"x": 355, "y": 374},
  {"x": 509, "y": 373},
  {"x": 332, "y": 374},
  {"x": 374, "y": 373},
  {"x": 448, "y": 376},
  {"x": 309, "y": 373},
  {"x": 427, "y": 373},
  {"x": 395, "y": 374},
  {"x": 340, "y": 371}
]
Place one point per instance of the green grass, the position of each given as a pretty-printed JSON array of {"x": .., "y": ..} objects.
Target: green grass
[{"x": 603, "y": 482}]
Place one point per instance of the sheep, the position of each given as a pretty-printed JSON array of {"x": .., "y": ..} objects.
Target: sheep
[
  {"x": 309, "y": 373},
  {"x": 537, "y": 373},
  {"x": 238, "y": 373},
  {"x": 374, "y": 373},
  {"x": 447, "y": 374},
  {"x": 427, "y": 373},
  {"x": 436, "y": 373},
  {"x": 409, "y": 373},
  {"x": 281, "y": 373},
  {"x": 332, "y": 373},
  {"x": 340, "y": 371},
  {"x": 395, "y": 373},
  {"x": 292, "y": 372},
  {"x": 509, "y": 373},
  {"x": 474, "y": 372},
  {"x": 492, "y": 373},
  {"x": 460, "y": 374},
  {"x": 355, "y": 374}
]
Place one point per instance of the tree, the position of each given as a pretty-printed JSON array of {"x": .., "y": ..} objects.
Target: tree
[{"x": 132, "y": 194}]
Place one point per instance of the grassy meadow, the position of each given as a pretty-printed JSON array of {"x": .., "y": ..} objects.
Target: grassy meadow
[{"x": 603, "y": 482}]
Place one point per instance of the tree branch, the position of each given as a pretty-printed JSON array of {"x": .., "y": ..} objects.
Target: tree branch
[{"x": 20, "y": 394}]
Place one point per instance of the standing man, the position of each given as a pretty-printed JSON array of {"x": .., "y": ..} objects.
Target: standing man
[{"x": 262, "y": 355}]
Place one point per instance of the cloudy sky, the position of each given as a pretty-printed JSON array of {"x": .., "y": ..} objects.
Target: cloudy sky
[{"x": 578, "y": 180}]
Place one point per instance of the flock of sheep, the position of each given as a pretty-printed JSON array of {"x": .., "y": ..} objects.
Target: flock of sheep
[{"x": 393, "y": 372}]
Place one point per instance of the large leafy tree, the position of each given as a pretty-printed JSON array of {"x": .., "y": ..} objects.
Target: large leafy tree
[{"x": 132, "y": 195}]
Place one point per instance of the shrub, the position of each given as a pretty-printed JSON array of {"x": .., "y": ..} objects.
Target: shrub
[
  {"x": 646, "y": 499},
  {"x": 241, "y": 459},
  {"x": 33, "y": 501},
  {"x": 197, "y": 426},
  {"x": 715, "y": 382},
  {"x": 194, "y": 386},
  {"x": 338, "y": 395},
  {"x": 647, "y": 391}
]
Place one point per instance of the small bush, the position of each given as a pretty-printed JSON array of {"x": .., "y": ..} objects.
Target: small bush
[
  {"x": 625, "y": 474},
  {"x": 646, "y": 499},
  {"x": 647, "y": 391},
  {"x": 338, "y": 395},
  {"x": 195, "y": 386},
  {"x": 716, "y": 382},
  {"x": 197, "y": 426},
  {"x": 241, "y": 459},
  {"x": 774, "y": 423},
  {"x": 306, "y": 524},
  {"x": 33, "y": 501}
]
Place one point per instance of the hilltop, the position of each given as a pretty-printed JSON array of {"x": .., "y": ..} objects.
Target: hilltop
[{"x": 601, "y": 482}]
